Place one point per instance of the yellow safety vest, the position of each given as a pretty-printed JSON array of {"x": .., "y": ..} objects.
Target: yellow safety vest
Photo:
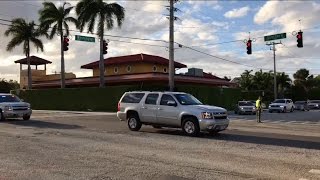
[{"x": 258, "y": 103}]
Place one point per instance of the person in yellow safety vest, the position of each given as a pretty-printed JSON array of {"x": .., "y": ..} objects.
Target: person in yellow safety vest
[{"x": 258, "y": 107}]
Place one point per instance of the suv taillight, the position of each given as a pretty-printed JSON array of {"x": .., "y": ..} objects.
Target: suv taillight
[{"x": 118, "y": 106}]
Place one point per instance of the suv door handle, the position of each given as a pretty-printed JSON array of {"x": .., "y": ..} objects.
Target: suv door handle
[{"x": 143, "y": 107}]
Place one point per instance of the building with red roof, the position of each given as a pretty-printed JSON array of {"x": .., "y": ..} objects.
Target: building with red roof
[{"x": 136, "y": 69}]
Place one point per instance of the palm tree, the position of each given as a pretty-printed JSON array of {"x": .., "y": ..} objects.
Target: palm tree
[
  {"x": 284, "y": 82},
  {"x": 26, "y": 33},
  {"x": 90, "y": 11},
  {"x": 246, "y": 80},
  {"x": 57, "y": 18}
]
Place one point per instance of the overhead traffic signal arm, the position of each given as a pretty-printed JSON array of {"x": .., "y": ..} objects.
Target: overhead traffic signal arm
[
  {"x": 300, "y": 39},
  {"x": 249, "y": 46}
]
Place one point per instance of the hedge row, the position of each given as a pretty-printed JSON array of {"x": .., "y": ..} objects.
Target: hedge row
[{"x": 106, "y": 99}]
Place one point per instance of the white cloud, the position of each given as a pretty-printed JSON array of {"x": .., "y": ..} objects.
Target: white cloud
[{"x": 237, "y": 13}]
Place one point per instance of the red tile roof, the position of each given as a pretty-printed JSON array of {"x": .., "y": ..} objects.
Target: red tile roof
[
  {"x": 210, "y": 76},
  {"x": 135, "y": 58},
  {"x": 34, "y": 60},
  {"x": 134, "y": 78}
]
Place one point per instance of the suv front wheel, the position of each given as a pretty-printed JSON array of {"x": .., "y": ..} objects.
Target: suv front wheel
[
  {"x": 190, "y": 126},
  {"x": 134, "y": 123}
]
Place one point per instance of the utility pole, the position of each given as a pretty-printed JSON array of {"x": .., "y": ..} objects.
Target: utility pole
[
  {"x": 172, "y": 18},
  {"x": 275, "y": 87},
  {"x": 171, "y": 47}
]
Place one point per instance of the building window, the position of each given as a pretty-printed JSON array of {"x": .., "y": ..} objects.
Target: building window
[
  {"x": 129, "y": 68},
  {"x": 116, "y": 70},
  {"x": 165, "y": 70},
  {"x": 154, "y": 68}
]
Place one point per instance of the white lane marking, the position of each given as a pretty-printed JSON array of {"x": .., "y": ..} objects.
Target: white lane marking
[
  {"x": 315, "y": 171},
  {"x": 303, "y": 179}
]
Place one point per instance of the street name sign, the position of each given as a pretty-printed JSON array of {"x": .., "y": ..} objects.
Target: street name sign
[
  {"x": 85, "y": 38},
  {"x": 275, "y": 37}
]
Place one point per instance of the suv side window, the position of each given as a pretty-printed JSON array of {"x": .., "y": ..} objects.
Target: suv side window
[
  {"x": 165, "y": 98},
  {"x": 152, "y": 99},
  {"x": 132, "y": 98}
]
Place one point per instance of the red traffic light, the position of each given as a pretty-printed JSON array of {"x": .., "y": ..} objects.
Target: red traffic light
[
  {"x": 66, "y": 40},
  {"x": 249, "y": 47},
  {"x": 299, "y": 36},
  {"x": 65, "y": 43}
]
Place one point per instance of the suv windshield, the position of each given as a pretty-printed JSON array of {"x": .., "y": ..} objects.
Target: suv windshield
[
  {"x": 9, "y": 98},
  {"x": 279, "y": 101},
  {"x": 244, "y": 103},
  {"x": 187, "y": 99}
]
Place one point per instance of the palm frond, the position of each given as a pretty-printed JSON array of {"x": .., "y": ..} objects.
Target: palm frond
[
  {"x": 53, "y": 31},
  {"x": 116, "y": 11},
  {"x": 16, "y": 41},
  {"x": 66, "y": 28},
  {"x": 37, "y": 43}
]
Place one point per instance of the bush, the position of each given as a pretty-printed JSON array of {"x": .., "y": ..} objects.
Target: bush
[{"x": 106, "y": 99}]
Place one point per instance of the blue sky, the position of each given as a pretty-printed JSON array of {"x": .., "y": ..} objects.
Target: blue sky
[{"x": 200, "y": 24}]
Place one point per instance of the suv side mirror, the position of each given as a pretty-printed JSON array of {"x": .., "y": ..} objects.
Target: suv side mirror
[{"x": 171, "y": 103}]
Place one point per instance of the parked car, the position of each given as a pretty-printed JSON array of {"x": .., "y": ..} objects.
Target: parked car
[
  {"x": 301, "y": 105},
  {"x": 171, "y": 109},
  {"x": 245, "y": 107},
  {"x": 314, "y": 104},
  {"x": 13, "y": 107},
  {"x": 281, "y": 105}
]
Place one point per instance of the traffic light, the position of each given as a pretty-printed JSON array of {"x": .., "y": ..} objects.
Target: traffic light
[
  {"x": 299, "y": 39},
  {"x": 105, "y": 47},
  {"x": 65, "y": 43},
  {"x": 249, "y": 47}
]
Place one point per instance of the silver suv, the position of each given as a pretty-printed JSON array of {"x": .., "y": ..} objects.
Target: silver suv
[
  {"x": 13, "y": 107},
  {"x": 281, "y": 105},
  {"x": 170, "y": 109}
]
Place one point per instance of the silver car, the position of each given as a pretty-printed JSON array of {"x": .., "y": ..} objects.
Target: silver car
[
  {"x": 171, "y": 109},
  {"x": 13, "y": 107},
  {"x": 314, "y": 104},
  {"x": 245, "y": 107}
]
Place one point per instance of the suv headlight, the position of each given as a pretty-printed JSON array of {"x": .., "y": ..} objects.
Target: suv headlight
[
  {"x": 8, "y": 108},
  {"x": 282, "y": 106},
  {"x": 206, "y": 115}
]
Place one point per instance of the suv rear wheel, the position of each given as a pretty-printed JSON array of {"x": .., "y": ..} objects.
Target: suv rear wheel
[
  {"x": 190, "y": 126},
  {"x": 134, "y": 123}
]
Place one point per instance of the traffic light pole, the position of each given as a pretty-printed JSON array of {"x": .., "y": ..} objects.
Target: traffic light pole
[{"x": 275, "y": 88}]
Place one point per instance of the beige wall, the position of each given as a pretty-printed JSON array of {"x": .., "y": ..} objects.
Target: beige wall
[
  {"x": 40, "y": 75},
  {"x": 135, "y": 68}
]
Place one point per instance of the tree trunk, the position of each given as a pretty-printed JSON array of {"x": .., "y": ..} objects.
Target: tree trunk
[
  {"x": 101, "y": 62},
  {"x": 62, "y": 74},
  {"x": 29, "y": 68}
]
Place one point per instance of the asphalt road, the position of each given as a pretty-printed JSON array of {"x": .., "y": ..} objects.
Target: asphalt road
[{"x": 77, "y": 145}]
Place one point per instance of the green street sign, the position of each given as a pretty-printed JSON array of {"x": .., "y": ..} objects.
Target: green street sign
[
  {"x": 275, "y": 37},
  {"x": 85, "y": 38}
]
